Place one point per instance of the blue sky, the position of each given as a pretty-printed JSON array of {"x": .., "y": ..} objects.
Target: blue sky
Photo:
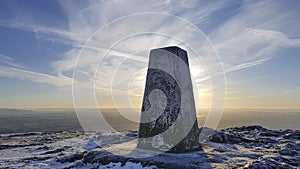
[{"x": 258, "y": 43}]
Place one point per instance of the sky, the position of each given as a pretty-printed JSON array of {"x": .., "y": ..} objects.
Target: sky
[{"x": 53, "y": 53}]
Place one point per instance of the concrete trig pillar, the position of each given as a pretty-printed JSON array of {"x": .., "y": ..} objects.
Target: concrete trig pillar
[{"x": 168, "y": 119}]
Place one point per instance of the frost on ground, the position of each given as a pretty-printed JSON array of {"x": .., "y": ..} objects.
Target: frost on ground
[{"x": 242, "y": 147}]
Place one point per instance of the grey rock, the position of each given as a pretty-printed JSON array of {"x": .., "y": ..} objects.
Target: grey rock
[
  {"x": 292, "y": 135},
  {"x": 71, "y": 158},
  {"x": 268, "y": 163}
]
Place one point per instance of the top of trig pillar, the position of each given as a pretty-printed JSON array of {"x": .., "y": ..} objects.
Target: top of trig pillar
[{"x": 182, "y": 54}]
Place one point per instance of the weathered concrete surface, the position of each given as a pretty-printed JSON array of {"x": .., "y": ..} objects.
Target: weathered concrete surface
[{"x": 168, "y": 119}]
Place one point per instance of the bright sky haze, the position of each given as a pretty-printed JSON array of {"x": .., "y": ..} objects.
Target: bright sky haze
[{"x": 258, "y": 43}]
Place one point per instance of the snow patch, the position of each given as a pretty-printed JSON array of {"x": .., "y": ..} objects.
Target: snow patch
[{"x": 128, "y": 165}]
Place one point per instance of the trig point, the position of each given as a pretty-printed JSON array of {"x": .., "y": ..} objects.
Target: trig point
[{"x": 168, "y": 117}]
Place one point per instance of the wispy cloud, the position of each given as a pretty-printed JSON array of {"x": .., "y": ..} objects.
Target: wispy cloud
[
  {"x": 250, "y": 36},
  {"x": 245, "y": 65},
  {"x": 34, "y": 76},
  {"x": 292, "y": 91},
  {"x": 10, "y": 69},
  {"x": 8, "y": 61}
]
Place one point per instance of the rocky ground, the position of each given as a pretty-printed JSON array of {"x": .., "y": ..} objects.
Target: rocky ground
[{"x": 252, "y": 147}]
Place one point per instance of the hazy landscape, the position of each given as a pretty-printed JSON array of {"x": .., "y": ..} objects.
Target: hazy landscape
[{"x": 18, "y": 121}]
